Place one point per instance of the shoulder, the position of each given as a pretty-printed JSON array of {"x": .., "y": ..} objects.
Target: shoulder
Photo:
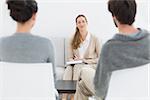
[
  {"x": 26, "y": 37},
  {"x": 69, "y": 39},
  {"x": 93, "y": 36},
  {"x": 4, "y": 39},
  {"x": 42, "y": 39},
  {"x": 108, "y": 45}
]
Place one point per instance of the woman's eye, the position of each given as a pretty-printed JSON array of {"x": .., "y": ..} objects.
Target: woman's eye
[{"x": 79, "y": 22}]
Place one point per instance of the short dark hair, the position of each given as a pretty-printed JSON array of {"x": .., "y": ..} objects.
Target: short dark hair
[
  {"x": 123, "y": 10},
  {"x": 22, "y": 10}
]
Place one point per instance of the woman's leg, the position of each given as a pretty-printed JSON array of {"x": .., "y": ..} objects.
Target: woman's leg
[
  {"x": 78, "y": 67},
  {"x": 85, "y": 86},
  {"x": 67, "y": 76}
]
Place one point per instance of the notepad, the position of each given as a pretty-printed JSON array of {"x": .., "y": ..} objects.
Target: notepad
[{"x": 74, "y": 62}]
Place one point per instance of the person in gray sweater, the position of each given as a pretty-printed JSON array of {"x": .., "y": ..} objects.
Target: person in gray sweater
[
  {"x": 129, "y": 48},
  {"x": 22, "y": 46}
]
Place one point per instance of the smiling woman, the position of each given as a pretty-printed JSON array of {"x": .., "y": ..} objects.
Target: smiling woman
[{"x": 84, "y": 47}]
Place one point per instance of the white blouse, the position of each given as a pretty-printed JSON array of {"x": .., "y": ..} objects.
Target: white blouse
[{"x": 84, "y": 45}]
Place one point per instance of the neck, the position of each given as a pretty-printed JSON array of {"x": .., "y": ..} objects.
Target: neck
[
  {"x": 23, "y": 28},
  {"x": 127, "y": 29},
  {"x": 84, "y": 34}
]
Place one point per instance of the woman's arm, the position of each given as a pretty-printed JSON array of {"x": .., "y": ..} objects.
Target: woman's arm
[{"x": 97, "y": 52}]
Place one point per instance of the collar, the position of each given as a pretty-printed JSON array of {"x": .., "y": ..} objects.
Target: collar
[
  {"x": 140, "y": 35},
  {"x": 87, "y": 37}
]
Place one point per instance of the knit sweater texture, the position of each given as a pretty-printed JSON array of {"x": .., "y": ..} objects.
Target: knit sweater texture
[
  {"x": 121, "y": 52},
  {"x": 26, "y": 48}
]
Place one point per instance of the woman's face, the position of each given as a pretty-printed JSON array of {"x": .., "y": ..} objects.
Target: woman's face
[{"x": 81, "y": 23}]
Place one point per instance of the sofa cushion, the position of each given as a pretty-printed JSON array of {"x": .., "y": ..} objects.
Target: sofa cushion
[
  {"x": 58, "y": 43},
  {"x": 59, "y": 49}
]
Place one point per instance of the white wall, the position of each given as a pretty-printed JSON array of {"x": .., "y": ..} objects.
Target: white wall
[
  {"x": 57, "y": 18},
  {"x": 149, "y": 14},
  {"x": 0, "y": 18}
]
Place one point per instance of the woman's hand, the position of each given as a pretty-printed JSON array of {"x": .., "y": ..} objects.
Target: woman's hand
[{"x": 76, "y": 57}]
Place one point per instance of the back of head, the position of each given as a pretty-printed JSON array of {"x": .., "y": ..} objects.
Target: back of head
[
  {"x": 123, "y": 10},
  {"x": 22, "y": 10}
]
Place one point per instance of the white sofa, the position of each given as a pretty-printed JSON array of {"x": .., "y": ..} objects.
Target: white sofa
[
  {"x": 60, "y": 47},
  {"x": 59, "y": 44}
]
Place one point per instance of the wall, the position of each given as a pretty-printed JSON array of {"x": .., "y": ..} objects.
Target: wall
[{"x": 57, "y": 18}]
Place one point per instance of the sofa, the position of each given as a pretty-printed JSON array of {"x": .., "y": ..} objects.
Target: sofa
[
  {"x": 60, "y": 48},
  {"x": 59, "y": 44}
]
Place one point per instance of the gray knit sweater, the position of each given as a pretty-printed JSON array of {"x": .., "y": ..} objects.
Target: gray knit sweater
[
  {"x": 121, "y": 52},
  {"x": 26, "y": 48}
]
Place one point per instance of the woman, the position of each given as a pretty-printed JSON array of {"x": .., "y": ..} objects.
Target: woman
[
  {"x": 83, "y": 46},
  {"x": 22, "y": 46}
]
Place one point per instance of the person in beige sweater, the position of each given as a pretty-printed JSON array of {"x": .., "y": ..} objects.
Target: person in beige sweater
[{"x": 83, "y": 46}]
